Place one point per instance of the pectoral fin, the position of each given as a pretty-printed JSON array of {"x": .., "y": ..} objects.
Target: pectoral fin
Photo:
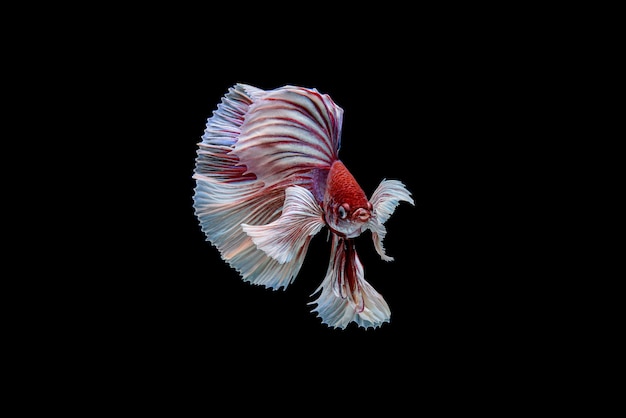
[
  {"x": 385, "y": 199},
  {"x": 290, "y": 234}
]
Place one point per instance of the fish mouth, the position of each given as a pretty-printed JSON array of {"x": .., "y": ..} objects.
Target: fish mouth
[{"x": 361, "y": 214}]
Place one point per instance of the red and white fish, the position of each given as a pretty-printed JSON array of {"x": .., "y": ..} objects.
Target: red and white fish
[{"x": 268, "y": 178}]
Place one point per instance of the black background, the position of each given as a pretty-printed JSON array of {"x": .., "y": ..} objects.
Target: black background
[
  {"x": 438, "y": 106},
  {"x": 421, "y": 118},
  {"x": 124, "y": 299}
]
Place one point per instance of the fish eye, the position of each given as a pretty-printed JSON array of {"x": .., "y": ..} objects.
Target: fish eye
[{"x": 342, "y": 211}]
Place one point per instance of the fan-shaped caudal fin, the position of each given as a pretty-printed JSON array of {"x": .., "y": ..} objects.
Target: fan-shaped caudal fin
[
  {"x": 345, "y": 295},
  {"x": 225, "y": 197},
  {"x": 284, "y": 238},
  {"x": 222, "y": 208},
  {"x": 385, "y": 199},
  {"x": 288, "y": 131},
  {"x": 222, "y": 131}
]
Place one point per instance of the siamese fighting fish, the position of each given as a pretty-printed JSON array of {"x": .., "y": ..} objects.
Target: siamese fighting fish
[{"x": 268, "y": 178}]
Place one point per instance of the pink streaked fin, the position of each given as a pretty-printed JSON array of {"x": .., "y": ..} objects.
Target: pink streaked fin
[
  {"x": 228, "y": 195},
  {"x": 220, "y": 135},
  {"x": 291, "y": 233},
  {"x": 345, "y": 296},
  {"x": 385, "y": 199},
  {"x": 222, "y": 208},
  {"x": 288, "y": 131}
]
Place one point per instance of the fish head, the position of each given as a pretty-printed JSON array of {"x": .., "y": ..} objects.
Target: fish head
[
  {"x": 345, "y": 220},
  {"x": 346, "y": 208}
]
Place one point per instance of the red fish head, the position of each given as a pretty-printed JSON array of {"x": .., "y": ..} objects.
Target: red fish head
[{"x": 346, "y": 207}]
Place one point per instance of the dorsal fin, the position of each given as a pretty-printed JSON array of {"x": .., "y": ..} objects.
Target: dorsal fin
[{"x": 287, "y": 132}]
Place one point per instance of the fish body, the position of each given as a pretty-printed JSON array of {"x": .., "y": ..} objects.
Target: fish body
[{"x": 268, "y": 179}]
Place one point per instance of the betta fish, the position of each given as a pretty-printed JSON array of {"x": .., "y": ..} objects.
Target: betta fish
[{"x": 268, "y": 178}]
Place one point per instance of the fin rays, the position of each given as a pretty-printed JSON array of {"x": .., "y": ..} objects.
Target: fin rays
[
  {"x": 344, "y": 295},
  {"x": 301, "y": 218},
  {"x": 294, "y": 128},
  {"x": 385, "y": 199}
]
